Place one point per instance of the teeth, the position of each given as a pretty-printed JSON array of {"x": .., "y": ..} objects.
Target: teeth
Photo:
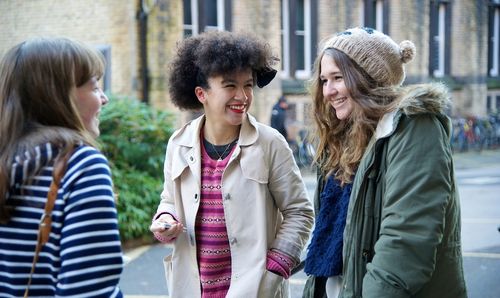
[{"x": 240, "y": 107}]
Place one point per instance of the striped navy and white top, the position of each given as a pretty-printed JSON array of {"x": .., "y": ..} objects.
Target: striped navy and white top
[{"x": 83, "y": 257}]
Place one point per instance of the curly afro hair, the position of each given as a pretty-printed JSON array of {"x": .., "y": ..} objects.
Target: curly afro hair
[{"x": 215, "y": 53}]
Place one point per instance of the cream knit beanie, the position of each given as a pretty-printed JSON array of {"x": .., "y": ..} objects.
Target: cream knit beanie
[{"x": 375, "y": 52}]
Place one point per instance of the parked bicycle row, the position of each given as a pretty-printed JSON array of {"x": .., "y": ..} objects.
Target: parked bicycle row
[{"x": 476, "y": 133}]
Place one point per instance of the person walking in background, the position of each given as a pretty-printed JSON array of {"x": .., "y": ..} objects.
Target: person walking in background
[
  {"x": 234, "y": 205},
  {"x": 50, "y": 101},
  {"x": 278, "y": 116},
  {"x": 402, "y": 231}
]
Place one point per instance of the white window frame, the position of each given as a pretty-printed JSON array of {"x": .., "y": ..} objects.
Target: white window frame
[
  {"x": 285, "y": 63},
  {"x": 194, "y": 19},
  {"x": 441, "y": 39},
  {"x": 361, "y": 4},
  {"x": 306, "y": 73},
  {"x": 194, "y": 27},
  {"x": 221, "y": 15},
  {"x": 220, "y": 18},
  {"x": 494, "y": 70},
  {"x": 379, "y": 15}
]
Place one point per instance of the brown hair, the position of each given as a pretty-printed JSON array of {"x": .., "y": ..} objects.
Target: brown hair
[
  {"x": 341, "y": 143},
  {"x": 38, "y": 79}
]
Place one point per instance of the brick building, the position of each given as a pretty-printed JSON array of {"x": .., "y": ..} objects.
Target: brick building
[{"x": 457, "y": 41}]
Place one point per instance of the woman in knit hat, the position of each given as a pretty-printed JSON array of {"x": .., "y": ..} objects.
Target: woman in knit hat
[
  {"x": 389, "y": 207},
  {"x": 234, "y": 205}
]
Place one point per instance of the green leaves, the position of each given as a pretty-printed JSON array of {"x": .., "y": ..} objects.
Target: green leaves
[{"x": 134, "y": 139}]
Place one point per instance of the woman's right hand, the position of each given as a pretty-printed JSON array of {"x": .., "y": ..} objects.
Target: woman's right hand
[{"x": 166, "y": 226}]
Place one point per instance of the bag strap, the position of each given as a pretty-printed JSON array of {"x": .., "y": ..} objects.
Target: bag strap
[{"x": 45, "y": 224}]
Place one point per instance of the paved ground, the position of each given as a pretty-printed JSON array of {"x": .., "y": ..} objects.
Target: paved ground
[{"x": 477, "y": 173}]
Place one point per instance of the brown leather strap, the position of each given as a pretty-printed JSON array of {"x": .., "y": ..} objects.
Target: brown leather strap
[{"x": 46, "y": 219}]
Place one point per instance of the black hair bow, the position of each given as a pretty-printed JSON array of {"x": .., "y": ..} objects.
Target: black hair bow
[{"x": 265, "y": 76}]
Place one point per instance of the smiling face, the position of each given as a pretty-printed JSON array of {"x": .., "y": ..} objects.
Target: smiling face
[
  {"x": 228, "y": 97},
  {"x": 89, "y": 100},
  {"x": 334, "y": 89}
]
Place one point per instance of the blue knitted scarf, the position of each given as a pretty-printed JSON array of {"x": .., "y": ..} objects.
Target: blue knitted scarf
[{"x": 324, "y": 256}]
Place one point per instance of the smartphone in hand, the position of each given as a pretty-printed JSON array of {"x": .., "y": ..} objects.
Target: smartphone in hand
[{"x": 167, "y": 226}]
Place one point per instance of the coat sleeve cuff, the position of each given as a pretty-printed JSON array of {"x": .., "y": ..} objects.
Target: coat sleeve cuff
[{"x": 279, "y": 263}]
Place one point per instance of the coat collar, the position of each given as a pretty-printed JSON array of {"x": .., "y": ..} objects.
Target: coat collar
[
  {"x": 386, "y": 125},
  {"x": 187, "y": 144},
  {"x": 188, "y": 135},
  {"x": 248, "y": 132}
]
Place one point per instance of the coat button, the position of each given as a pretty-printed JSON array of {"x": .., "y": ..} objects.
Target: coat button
[
  {"x": 191, "y": 158},
  {"x": 196, "y": 197},
  {"x": 233, "y": 241},
  {"x": 227, "y": 197}
]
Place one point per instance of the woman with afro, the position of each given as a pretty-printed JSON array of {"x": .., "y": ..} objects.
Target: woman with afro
[{"x": 234, "y": 205}]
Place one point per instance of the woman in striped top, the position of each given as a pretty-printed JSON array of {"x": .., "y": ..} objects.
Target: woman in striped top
[
  {"x": 234, "y": 205},
  {"x": 50, "y": 100}
]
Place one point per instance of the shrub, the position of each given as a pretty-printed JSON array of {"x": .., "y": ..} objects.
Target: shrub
[{"x": 134, "y": 138}]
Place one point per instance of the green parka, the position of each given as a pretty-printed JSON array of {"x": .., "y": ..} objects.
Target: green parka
[{"x": 402, "y": 236}]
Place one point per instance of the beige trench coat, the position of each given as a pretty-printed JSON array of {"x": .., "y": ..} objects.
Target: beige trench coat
[{"x": 265, "y": 203}]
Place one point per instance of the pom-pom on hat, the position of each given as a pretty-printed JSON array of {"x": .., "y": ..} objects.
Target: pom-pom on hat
[{"x": 379, "y": 56}]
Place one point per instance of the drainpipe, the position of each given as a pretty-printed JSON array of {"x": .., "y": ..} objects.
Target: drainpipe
[{"x": 142, "y": 16}]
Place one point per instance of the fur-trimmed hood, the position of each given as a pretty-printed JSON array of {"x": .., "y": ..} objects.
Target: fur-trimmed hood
[
  {"x": 424, "y": 98},
  {"x": 417, "y": 99}
]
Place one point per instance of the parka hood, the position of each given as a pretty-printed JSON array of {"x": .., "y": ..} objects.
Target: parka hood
[
  {"x": 424, "y": 98},
  {"x": 417, "y": 99}
]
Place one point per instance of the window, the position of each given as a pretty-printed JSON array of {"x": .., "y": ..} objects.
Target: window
[
  {"x": 213, "y": 11},
  {"x": 493, "y": 102},
  {"x": 303, "y": 39},
  {"x": 297, "y": 38},
  {"x": 494, "y": 39},
  {"x": 190, "y": 17},
  {"x": 285, "y": 39},
  {"x": 106, "y": 79},
  {"x": 375, "y": 15},
  {"x": 439, "y": 53},
  {"x": 204, "y": 15}
]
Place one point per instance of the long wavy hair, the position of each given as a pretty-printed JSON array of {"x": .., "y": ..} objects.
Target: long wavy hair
[
  {"x": 38, "y": 79},
  {"x": 341, "y": 143}
]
